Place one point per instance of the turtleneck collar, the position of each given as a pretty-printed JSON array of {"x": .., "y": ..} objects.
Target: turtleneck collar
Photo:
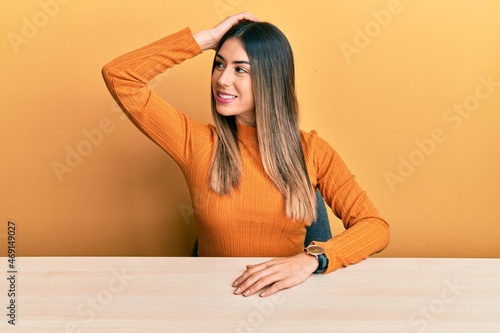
[{"x": 246, "y": 132}]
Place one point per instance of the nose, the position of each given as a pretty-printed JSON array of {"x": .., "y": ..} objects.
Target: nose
[{"x": 224, "y": 79}]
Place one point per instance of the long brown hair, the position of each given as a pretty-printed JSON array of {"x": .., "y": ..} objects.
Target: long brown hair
[{"x": 277, "y": 122}]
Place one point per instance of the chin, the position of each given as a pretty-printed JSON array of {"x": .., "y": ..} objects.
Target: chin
[{"x": 223, "y": 112}]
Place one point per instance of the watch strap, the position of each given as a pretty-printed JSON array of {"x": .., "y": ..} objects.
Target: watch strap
[{"x": 323, "y": 264}]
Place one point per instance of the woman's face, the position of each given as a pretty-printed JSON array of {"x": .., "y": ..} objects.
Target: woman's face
[{"x": 232, "y": 83}]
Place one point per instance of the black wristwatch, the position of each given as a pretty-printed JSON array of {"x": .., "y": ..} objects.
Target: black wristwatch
[{"x": 319, "y": 253}]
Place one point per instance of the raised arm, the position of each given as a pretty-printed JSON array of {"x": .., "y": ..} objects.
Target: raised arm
[
  {"x": 127, "y": 79},
  {"x": 127, "y": 76}
]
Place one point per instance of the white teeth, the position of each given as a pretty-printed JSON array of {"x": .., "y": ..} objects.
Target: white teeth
[{"x": 227, "y": 96}]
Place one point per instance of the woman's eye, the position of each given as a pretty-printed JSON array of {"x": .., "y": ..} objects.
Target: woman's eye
[
  {"x": 219, "y": 64},
  {"x": 241, "y": 70}
]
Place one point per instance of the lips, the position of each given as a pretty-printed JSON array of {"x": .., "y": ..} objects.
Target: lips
[{"x": 224, "y": 98}]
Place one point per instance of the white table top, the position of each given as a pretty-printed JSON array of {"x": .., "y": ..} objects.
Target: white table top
[{"x": 170, "y": 294}]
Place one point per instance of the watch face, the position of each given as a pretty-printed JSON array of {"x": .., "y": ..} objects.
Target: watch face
[{"x": 315, "y": 249}]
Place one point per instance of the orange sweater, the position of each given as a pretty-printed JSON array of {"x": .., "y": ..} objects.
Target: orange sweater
[{"x": 251, "y": 221}]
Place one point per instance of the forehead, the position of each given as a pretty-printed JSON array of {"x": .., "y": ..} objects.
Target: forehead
[{"x": 233, "y": 50}]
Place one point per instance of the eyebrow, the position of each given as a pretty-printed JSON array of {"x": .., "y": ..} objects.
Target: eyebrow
[{"x": 234, "y": 62}]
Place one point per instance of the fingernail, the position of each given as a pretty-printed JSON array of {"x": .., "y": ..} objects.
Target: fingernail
[
  {"x": 246, "y": 292},
  {"x": 235, "y": 283},
  {"x": 262, "y": 294},
  {"x": 237, "y": 291}
]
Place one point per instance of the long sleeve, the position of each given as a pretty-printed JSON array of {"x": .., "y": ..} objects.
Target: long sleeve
[
  {"x": 366, "y": 232},
  {"x": 126, "y": 78}
]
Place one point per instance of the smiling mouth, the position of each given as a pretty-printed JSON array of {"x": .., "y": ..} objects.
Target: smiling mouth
[{"x": 226, "y": 97}]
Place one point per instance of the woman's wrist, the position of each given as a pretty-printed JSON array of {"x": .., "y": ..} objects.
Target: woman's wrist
[
  {"x": 205, "y": 40},
  {"x": 312, "y": 262}
]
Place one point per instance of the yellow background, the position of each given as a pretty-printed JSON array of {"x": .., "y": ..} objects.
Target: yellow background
[{"x": 380, "y": 80}]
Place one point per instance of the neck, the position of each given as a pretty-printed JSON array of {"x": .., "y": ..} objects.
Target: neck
[{"x": 246, "y": 122}]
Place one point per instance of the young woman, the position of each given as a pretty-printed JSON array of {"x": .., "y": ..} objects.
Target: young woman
[{"x": 253, "y": 172}]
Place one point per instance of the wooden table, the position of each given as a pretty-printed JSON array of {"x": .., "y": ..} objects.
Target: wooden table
[{"x": 144, "y": 294}]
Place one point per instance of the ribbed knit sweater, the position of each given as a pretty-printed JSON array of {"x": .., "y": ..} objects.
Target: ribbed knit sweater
[{"x": 251, "y": 221}]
